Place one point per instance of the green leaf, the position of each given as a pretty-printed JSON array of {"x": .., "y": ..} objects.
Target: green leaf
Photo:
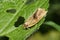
[
  {"x": 51, "y": 23},
  {"x": 23, "y": 8}
]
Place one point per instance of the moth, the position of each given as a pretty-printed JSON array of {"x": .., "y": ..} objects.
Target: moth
[{"x": 35, "y": 18}]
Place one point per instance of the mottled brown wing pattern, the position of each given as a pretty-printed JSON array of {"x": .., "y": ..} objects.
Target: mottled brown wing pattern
[{"x": 35, "y": 18}]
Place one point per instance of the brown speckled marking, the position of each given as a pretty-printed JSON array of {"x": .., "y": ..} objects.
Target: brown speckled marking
[{"x": 35, "y": 18}]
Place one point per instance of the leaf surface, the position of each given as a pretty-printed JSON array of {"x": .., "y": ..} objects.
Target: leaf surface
[{"x": 23, "y": 8}]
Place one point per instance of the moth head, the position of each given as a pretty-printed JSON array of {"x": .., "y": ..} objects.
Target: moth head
[{"x": 26, "y": 25}]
